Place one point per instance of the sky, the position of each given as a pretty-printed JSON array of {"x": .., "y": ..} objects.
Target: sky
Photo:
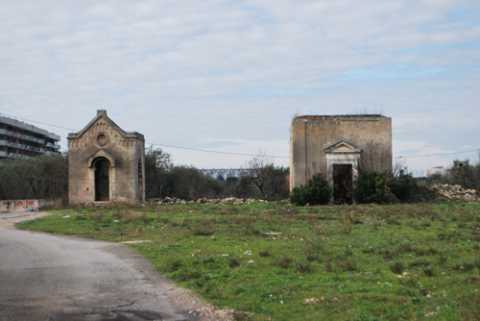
[{"x": 229, "y": 75}]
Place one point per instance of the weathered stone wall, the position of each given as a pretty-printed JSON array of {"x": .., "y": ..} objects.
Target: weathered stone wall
[
  {"x": 310, "y": 135},
  {"x": 15, "y": 206},
  {"x": 22, "y": 206},
  {"x": 123, "y": 150}
]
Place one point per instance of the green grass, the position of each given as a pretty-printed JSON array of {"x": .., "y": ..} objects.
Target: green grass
[{"x": 277, "y": 262}]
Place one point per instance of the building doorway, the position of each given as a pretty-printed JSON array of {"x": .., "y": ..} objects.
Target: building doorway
[
  {"x": 101, "y": 166},
  {"x": 343, "y": 183}
]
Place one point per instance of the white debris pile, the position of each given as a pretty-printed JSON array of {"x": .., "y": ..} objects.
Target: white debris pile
[
  {"x": 204, "y": 200},
  {"x": 456, "y": 192}
]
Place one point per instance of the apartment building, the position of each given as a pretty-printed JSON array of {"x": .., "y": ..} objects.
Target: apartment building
[{"x": 19, "y": 140}]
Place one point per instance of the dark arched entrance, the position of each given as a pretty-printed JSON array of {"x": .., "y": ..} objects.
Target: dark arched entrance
[{"x": 101, "y": 166}]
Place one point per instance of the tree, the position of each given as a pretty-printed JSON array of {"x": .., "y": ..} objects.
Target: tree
[
  {"x": 43, "y": 177},
  {"x": 271, "y": 181},
  {"x": 157, "y": 166}
]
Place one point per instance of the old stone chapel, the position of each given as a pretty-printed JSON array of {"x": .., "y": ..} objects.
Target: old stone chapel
[{"x": 106, "y": 163}]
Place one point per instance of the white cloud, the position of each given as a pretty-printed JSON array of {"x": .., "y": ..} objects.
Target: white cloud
[{"x": 187, "y": 71}]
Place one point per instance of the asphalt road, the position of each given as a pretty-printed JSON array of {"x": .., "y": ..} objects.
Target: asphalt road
[{"x": 50, "y": 278}]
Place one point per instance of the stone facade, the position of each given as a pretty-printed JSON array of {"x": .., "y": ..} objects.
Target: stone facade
[
  {"x": 339, "y": 147},
  {"x": 106, "y": 164}
]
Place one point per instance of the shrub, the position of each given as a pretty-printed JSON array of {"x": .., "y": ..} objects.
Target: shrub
[
  {"x": 316, "y": 192},
  {"x": 233, "y": 263},
  {"x": 404, "y": 186},
  {"x": 397, "y": 268},
  {"x": 264, "y": 253},
  {"x": 429, "y": 271},
  {"x": 285, "y": 262},
  {"x": 407, "y": 189},
  {"x": 346, "y": 265},
  {"x": 373, "y": 187},
  {"x": 174, "y": 265},
  {"x": 303, "y": 267}
]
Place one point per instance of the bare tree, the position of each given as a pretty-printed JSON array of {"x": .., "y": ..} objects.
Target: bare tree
[{"x": 271, "y": 181}]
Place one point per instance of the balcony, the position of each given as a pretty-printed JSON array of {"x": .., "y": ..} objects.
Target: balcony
[
  {"x": 20, "y": 146},
  {"x": 11, "y": 133}
]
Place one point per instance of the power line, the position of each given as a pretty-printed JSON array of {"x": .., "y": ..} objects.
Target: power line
[
  {"x": 154, "y": 144},
  {"x": 35, "y": 121},
  {"x": 218, "y": 152},
  {"x": 440, "y": 154},
  {"x": 237, "y": 153}
]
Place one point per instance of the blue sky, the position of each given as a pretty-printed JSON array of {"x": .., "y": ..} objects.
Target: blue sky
[{"x": 230, "y": 75}]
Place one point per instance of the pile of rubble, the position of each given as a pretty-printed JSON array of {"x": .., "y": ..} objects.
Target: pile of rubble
[
  {"x": 204, "y": 200},
  {"x": 456, "y": 193}
]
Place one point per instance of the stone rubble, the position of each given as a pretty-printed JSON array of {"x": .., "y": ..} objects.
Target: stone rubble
[
  {"x": 204, "y": 200},
  {"x": 456, "y": 193}
]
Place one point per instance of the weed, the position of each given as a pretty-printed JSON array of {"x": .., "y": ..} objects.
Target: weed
[
  {"x": 346, "y": 265},
  {"x": 204, "y": 229},
  {"x": 188, "y": 275},
  {"x": 242, "y": 316},
  {"x": 419, "y": 263},
  {"x": 429, "y": 271},
  {"x": 347, "y": 223},
  {"x": 174, "y": 265},
  {"x": 314, "y": 248},
  {"x": 303, "y": 267},
  {"x": 467, "y": 266},
  {"x": 425, "y": 251},
  {"x": 285, "y": 262},
  {"x": 233, "y": 263},
  {"x": 392, "y": 221},
  {"x": 328, "y": 266},
  {"x": 397, "y": 267},
  {"x": 264, "y": 253},
  {"x": 442, "y": 260}
]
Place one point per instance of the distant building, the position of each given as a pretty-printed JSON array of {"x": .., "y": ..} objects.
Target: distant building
[
  {"x": 338, "y": 147},
  {"x": 224, "y": 173},
  {"x": 438, "y": 170},
  {"x": 20, "y": 140},
  {"x": 106, "y": 163}
]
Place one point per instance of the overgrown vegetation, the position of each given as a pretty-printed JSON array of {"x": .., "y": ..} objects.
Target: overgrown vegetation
[
  {"x": 47, "y": 177},
  {"x": 383, "y": 188},
  {"x": 316, "y": 192},
  {"x": 264, "y": 181},
  {"x": 462, "y": 173},
  {"x": 41, "y": 177},
  {"x": 374, "y": 187},
  {"x": 272, "y": 261}
]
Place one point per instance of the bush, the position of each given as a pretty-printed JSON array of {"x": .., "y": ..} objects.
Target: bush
[
  {"x": 373, "y": 187},
  {"x": 34, "y": 178},
  {"x": 404, "y": 186},
  {"x": 233, "y": 263},
  {"x": 407, "y": 189},
  {"x": 303, "y": 267},
  {"x": 316, "y": 192},
  {"x": 397, "y": 267},
  {"x": 285, "y": 262}
]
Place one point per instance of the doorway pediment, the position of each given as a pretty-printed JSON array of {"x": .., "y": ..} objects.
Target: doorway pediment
[{"x": 342, "y": 147}]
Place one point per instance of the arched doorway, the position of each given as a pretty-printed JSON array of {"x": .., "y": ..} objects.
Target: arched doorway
[{"x": 101, "y": 167}]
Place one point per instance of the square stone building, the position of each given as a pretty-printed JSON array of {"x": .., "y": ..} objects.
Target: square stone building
[
  {"x": 106, "y": 163},
  {"x": 338, "y": 147}
]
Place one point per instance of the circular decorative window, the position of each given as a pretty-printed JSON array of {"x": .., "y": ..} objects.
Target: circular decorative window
[{"x": 102, "y": 140}]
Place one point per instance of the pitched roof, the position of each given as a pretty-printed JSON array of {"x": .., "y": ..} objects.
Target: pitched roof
[{"x": 102, "y": 114}]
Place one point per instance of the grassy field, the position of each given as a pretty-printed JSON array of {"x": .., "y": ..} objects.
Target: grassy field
[{"x": 276, "y": 262}]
